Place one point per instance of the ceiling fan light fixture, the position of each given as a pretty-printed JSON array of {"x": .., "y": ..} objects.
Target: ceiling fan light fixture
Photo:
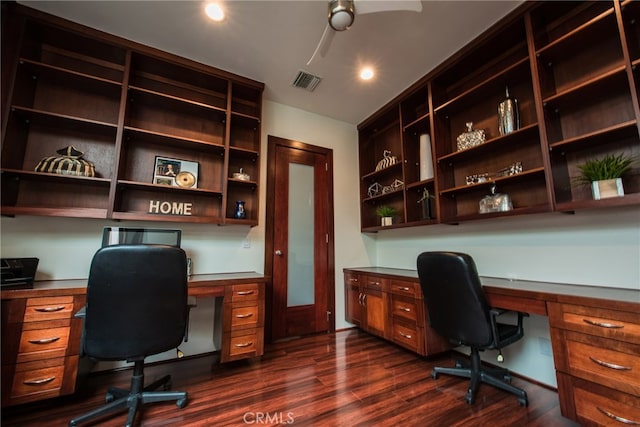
[{"x": 341, "y": 14}]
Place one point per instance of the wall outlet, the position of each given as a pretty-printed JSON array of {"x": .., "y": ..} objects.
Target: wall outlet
[
  {"x": 246, "y": 243},
  {"x": 545, "y": 346}
]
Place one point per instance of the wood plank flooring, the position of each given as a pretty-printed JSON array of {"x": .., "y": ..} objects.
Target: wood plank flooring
[{"x": 345, "y": 379}]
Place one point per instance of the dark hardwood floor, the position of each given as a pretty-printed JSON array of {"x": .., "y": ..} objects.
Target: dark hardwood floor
[{"x": 345, "y": 379}]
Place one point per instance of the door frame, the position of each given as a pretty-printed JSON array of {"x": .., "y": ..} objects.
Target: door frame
[{"x": 270, "y": 210}]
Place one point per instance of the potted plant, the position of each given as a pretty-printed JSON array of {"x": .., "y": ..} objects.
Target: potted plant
[
  {"x": 605, "y": 175},
  {"x": 386, "y": 214}
]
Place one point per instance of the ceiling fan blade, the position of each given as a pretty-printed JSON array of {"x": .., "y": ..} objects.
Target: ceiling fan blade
[
  {"x": 373, "y": 6},
  {"x": 324, "y": 44}
]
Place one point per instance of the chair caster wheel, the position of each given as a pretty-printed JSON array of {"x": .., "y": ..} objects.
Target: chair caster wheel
[
  {"x": 523, "y": 402},
  {"x": 458, "y": 364},
  {"x": 507, "y": 379},
  {"x": 434, "y": 375},
  {"x": 181, "y": 403},
  {"x": 109, "y": 398}
]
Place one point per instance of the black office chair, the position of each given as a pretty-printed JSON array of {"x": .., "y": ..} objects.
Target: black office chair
[
  {"x": 458, "y": 310},
  {"x": 136, "y": 307}
]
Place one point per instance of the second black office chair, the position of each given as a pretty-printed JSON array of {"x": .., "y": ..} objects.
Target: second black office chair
[
  {"x": 457, "y": 309},
  {"x": 136, "y": 307}
]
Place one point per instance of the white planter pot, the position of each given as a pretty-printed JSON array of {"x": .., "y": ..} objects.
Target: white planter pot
[
  {"x": 386, "y": 220},
  {"x": 607, "y": 188}
]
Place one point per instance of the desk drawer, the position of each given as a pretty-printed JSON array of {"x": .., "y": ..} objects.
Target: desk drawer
[
  {"x": 408, "y": 336},
  {"x": 405, "y": 308},
  {"x": 242, "y": 344},
  {"x": 50, "y": 308},
  {"x": 611, "y": 363},
  {"x": 30, "y": 382},
  {"x": 591, "y": 404},
  {"x": 249, "y": 292},
  {"x": 43, "y": 340},
  {"x": 245, "y": 316},
  {"x": 592, "y": 408},
  {"x": 608, "y": 323},
  {"x": 376, "y": 283},
  {"x": 410, "y": 289}
]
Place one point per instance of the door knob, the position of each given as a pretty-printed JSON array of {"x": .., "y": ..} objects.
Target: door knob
[{"x": 279, "y": 252}]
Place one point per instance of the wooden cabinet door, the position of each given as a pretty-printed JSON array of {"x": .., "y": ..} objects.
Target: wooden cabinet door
[
  {"x": 353, "y": 300},
  {"x": 375, "y": 312}
]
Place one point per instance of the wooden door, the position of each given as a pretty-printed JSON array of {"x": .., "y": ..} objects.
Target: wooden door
[{"x": 301, "y": 258}]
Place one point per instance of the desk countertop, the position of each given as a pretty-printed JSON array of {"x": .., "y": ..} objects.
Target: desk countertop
[
  {"x": 544, "y": 291},
  {"x": 197, "y": 282}
]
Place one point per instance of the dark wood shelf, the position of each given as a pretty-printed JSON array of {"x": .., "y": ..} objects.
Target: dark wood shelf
[
  {"x": 177, "y": 99},
  {"x": 522, "y": 176},
  {"x": 167, "y": 188},
  {"x": 59, "y": 212},
  {"x": 488, "y": 85},
  {"x": 489, "y": 145},
  {"x": 514, "y": 212},
  {"x": 396, "y": 167},
  {"x": 626, "y": 200},
  {"x": 582, "y": 91},
  {"x": 36, "y": 68},
  {"x": 140, "y": 216},
  {"x": 602, "y": 136},
  {"x": 167, "y": 139},
  {"x": 35, "y": 114}
]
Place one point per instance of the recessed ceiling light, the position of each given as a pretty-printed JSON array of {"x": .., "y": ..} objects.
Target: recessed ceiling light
[
  {"x": 214, "y": 11},
  {"x": 366, "y": 73}
]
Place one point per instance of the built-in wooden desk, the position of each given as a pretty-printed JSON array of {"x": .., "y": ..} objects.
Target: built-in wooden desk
[
  {"x": 41, "y": 338},
  {"x": 595, "y": 336}
]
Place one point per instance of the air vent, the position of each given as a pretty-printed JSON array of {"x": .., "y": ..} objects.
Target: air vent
[{"x": 306, "y": 81}]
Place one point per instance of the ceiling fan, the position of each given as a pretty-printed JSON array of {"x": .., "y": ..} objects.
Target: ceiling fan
[{"x": 342, "y": 14}]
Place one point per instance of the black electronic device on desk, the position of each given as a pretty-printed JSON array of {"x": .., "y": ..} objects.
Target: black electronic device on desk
[{"x": 18, "y": 273}]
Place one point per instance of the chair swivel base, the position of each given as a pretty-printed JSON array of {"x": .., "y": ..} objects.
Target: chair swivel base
[
  {"x": 119, "y": 399},
  {"x": 497, "y": 377}
]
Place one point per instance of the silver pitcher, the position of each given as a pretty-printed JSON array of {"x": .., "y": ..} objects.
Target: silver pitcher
[{"x": 508, "y": 115}]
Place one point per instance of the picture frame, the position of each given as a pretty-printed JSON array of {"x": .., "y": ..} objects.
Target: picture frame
[{"x": 175, "y": 172}]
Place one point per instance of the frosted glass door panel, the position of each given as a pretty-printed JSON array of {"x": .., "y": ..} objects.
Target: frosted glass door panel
[{"x": 300, "y": 274}]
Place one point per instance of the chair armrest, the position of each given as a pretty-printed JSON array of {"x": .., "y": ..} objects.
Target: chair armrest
[{"x": 494, "y": 313}]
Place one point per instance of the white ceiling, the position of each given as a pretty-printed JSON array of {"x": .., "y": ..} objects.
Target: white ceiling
[{"x": 270, "y": 41}]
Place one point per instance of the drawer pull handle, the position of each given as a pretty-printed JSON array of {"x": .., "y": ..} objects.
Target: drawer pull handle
[
  {"x": 45, "y": 340},
  {"x": 610, "y": 365},
  {"x": 244, "y": 316},
  {"x": 245, "y": 292},
  {"x": 402, "y": 288},
  {"x": 244, "y": 344},
  {"x": 39, "y": 382},
  {"x": 603, "y": 324},
  {"x": 405, "y": 309},
  {"x": 617, "y": 418},
  {"x": 407, "y": 336},
  {"x": 353, "y": 280},
  {"x": 50, "y": 309},
  {"x": 375, "y": 283}
]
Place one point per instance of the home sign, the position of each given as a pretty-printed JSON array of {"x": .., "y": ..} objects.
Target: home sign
[{"x": 170, "y": 208}]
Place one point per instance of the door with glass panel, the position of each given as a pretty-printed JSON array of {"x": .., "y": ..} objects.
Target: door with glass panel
[{"x": 302, "y": 268}]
